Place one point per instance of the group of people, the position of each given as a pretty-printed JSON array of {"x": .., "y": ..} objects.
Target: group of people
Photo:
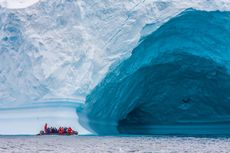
[{"x": 60, "y": 130}]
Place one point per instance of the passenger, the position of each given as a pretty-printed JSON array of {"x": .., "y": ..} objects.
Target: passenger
[
  {"x": 70, "y": 130},
  {"x": 51, "y": 130},
  {"x": 45, "y": 128},
  {"x": 55, "y": 130},
  {"x": 60, "y": 131},
  {"x": 48, "y": 130},
  {"x": 65, "y": 130}
]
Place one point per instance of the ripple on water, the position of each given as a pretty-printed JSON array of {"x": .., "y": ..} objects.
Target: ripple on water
[{"x": 113, "y": 144}]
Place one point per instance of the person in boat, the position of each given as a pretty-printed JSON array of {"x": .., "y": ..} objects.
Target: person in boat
[
  {"x": 52, "y": 130},
  {"x": 48, "y": 130},
  {"x": 55, "y": 130},
  {"x": 69, "y": 130},
  {"x": 61, "y": 130},
  {"x": 45, "y": 128},
  {"x": 65, "y": 130}
]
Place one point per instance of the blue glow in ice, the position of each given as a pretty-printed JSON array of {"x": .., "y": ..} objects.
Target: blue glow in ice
[{"x": 177, "y": 81}]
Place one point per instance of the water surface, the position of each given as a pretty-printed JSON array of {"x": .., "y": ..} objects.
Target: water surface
[{"x": 88, "y": 144}]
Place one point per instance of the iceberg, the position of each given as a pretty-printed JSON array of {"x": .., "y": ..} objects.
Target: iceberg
[
  {"x": 175, "y": 82},
  {"x": 73, "y": 49},
  {"x": 64, "y": 48}
]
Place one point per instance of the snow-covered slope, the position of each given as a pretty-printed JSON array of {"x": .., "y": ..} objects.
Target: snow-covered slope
[{"x": 63, "y": 48}]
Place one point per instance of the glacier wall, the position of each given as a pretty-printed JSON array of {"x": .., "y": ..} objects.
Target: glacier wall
[
  {"x": 177, "y": 81},
  {"x": 57, "y": 49},
  {"x": 17, "y": 4},
  {"x": 64, "y": 48}
]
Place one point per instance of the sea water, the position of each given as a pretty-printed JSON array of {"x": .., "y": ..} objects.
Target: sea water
[{"x": 100, "y": 144}]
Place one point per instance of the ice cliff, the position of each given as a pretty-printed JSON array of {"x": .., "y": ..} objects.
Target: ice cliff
[
  {"x": 58, "y": 49},
  {"x": 175, "y": 82},
  {"x": 63, "y": 48}
]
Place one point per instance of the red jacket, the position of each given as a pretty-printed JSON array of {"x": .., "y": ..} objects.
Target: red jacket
[
  {"x": 60, "y": 131},
  {"x": 69, "y": 130},
  {"x": 45, "y": 128}
]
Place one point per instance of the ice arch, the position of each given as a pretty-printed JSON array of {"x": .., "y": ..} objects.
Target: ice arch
[{"x": 176, "y": 81}]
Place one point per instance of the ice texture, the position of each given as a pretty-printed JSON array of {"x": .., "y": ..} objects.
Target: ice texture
[
  {"x": 57, "y": 49},
  {"x": 177, "y": 81},
  {"x": 17, "y": 4},
  {"x": 64, "y": 48}
]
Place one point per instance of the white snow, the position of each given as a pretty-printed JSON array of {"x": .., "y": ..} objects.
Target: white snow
[
  {"x": 17, "y": 4},
  {"x": 65, "y": 47}
]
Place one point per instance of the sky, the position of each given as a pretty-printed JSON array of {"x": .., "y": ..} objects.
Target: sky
[{"x": 17, "y": 4}]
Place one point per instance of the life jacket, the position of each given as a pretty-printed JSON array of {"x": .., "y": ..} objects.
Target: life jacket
[
  {"x": 60, "y": 130},
  {"x": 69, "y": 130},
  {"x": 45, "y": 128}
]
